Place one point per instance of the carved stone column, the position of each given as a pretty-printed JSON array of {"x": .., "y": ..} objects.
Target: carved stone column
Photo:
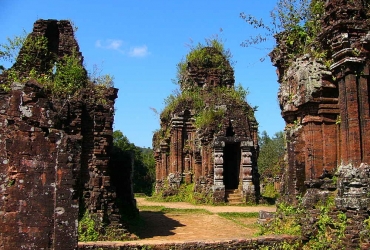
[
  {"x": 164, "y": 155},
  {"x": 247, "y": 171},
  {"x": 218, "y": 161},
  {"x": 188, "y": 171}
]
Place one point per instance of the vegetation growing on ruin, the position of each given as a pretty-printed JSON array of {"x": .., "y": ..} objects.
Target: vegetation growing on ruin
[
  {"x": 365, "y": 234},
  {"x": 212, "y": 54},
  {"x": 286, "y": 221},
  {"x": 328, "y": 230},
  {"x": 63, "y": 76},
  {"x": 295, "y": 24},
  {"x": 184, "y": 193},
  {"x": 87, "y": 228},
  {"x": 207, "y": 105}
]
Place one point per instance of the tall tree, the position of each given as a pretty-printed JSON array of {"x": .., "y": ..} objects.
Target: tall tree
[{"x": 271, "y": 154}]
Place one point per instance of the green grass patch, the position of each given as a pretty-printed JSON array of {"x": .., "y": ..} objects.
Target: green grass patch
[
  {"x": 186, "y": 211},
  {"x": 238, "y": 218},
  {"x": 239, "y": 215},
  {"x": 140, "y": 195},
  {"x": 174, "y": 210}
]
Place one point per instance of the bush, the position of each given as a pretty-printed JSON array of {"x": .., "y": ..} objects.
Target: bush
[{"x": 87, "y": 228}]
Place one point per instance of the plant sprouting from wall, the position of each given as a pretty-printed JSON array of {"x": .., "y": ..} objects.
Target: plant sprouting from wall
[
  {"x": 62, "y": 76},
  {"x": 212, "y": 54},
  {"x": 295, "y": 25}
]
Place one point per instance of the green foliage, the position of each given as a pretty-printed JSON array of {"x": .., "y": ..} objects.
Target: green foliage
[
  {"x": 70, "y": 75},
  {"x": 212, "y": 54},
  {"x": 87, "y": 228},
  {"x": 9, "y": 51},
  {"x": 208, "y": 116},
  {"x": 185, "y": 193},
  {"x": 330, "y": 230},
  {"x": 269, "y": 191},
  {"x": 365, "y": 234},
  {"x": 62, "y": 76},
  {"x": 194, "y": 99},
  {"x": 271, "y": 155},
  {"x": 239, "y": 215},
  {"x": 35, "y": 48},
  {"x": 294, "y": 23},
  {"x": 144, "y": 163},
  {"x": 285, "y": 221}
]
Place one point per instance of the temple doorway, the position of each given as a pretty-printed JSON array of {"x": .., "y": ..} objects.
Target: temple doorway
[{"x": 231, "y": 165}]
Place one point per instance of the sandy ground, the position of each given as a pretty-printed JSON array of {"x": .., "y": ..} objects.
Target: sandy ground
[{"x": 178, "y": 226}]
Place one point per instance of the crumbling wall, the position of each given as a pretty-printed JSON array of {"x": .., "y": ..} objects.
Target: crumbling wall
[
  {"x": 55, "y": 151},
  {"x": 326, "y": 109},
  {"x": 40, "y": 165}
]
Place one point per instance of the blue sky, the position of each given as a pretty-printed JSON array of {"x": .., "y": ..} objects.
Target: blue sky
[{"x": 140, "y": 43}]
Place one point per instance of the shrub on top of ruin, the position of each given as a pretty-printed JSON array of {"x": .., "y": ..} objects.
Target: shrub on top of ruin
[
  {"x": 207, "y": 103},
  {"x": 203, "y": 103},
  {"x": 212, "y": 54},
  {"x": 69, "y": 75},
  {"x": 63, "y": 77}
]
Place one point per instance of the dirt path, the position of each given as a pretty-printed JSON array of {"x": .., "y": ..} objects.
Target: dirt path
[{"x": 179, "y": 226}]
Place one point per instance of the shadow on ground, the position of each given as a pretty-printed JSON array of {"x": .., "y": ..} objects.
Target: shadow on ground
[{"x": 154, "y": 224}]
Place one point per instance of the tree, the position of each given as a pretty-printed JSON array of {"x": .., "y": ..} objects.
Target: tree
[
  {"x": 143, "y": 158},
  {"x": 271, "y": 154}
]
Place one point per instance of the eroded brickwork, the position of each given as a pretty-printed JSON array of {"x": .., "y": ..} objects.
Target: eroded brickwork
[
  {"x": 220, "y": 158},
  {"x": 54, "y": 153},
  {"x": 326, "y": 109}
]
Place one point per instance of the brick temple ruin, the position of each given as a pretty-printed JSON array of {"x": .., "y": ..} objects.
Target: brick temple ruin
[
  {"x": 221, "y": 158},
  {"x": 54, "y": 153},
  {"x": 327, "y": 115}
]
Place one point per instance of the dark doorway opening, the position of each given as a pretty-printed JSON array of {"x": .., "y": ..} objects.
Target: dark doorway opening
[{"x": 231, "y": 165}]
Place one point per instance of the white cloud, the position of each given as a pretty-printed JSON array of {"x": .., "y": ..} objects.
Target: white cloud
[
  {"x": 139, "y": 51},
  {"x": 113, "y": 44}
]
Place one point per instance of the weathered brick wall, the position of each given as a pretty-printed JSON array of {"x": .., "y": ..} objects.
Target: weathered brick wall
[
  {"x": 40, "y": 162},
  {"x": 187, "y": 154},
  {"x": 326, "y": 109},
  {"x": 55, "y": 153}
]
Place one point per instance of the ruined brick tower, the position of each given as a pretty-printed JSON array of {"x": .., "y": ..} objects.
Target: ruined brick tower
[
  {"x": 54, "y": 150},
  {"x": 207, "y": 136},
  {"x": 327, "y": 114}
]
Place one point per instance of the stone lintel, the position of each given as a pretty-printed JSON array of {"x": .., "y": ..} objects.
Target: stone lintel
[{"x": 347, "y": 60}]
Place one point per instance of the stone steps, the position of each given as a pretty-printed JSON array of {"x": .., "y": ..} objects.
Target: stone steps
[{"x": 233, "y": 196}]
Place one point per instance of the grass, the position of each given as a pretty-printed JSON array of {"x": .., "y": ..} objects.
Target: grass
[
  {"x": 239, "y": 218},
  {"x": 174, "y": 210}
]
